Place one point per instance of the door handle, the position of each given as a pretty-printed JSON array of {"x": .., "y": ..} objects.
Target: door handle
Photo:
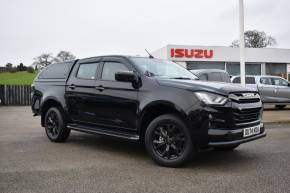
[
  {"x": 72, "y": 86},
  {"x": 100, "y": 88}
]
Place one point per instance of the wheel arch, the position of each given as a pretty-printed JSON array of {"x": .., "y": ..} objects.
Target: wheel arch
[
  {"x": 155, "y": 109},
  {"x": 47, "y": 104}
]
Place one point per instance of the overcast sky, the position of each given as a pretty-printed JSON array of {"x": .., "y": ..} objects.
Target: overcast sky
[{"x": 95, "y": 27}]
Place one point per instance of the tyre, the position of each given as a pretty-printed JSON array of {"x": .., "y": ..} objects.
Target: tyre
[
  {"x": 226, "y": 148},
  {"x": 280, "y": 107},
  {"x": 55, "y": 126},
  {"x": 168, "y": 141}
]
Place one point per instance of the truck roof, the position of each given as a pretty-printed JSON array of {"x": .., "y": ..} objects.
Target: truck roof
[{"x": 116, "y": 55}]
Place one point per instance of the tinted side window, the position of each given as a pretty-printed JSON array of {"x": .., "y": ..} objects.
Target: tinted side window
[
  {"x": 203, "y": 77},
  {"x": 279, "y": 82},
  {"x": 56, "y": 71},
  {"x": 110, "y": 68},
  {"x": 87, "y": 71},
  {"x": 265, "y": 81},
  {"x": 237, "y": 80},
  {"x": 250, "y": 80},
  {"x": 225, "y": 77},
  {"x": 284, "y": 83},
  {"x": 214, "y": 76}
]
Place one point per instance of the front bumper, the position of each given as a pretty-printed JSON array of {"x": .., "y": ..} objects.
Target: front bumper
[
  {"x": 220, "y": 137},
  {"x": 224, "y": 125}
]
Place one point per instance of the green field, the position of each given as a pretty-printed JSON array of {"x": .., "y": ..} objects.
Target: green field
[{"x": 17, "y": 77}]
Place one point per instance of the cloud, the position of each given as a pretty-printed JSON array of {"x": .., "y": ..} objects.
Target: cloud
[{"x": 89, "y": 27}]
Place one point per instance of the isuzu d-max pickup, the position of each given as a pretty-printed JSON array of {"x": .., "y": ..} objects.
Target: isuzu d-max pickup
[{"x": 154, "y": 101}]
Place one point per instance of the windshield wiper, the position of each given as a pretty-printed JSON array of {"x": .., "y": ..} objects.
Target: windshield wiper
[{"x": 147, "y": 73}]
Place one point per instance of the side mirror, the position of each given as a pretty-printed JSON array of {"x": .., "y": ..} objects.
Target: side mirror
[
  {"x": 126, "y": 76},
  {"x": 129, "y": 76}
]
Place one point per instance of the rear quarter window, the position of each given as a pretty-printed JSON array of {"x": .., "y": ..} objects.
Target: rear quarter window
[{"x": 56, "y": 71}]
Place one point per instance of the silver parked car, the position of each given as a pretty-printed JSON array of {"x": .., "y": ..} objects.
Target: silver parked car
[
  {"x": 273, "y": 89},
  {"x": 212, "y": 75}
]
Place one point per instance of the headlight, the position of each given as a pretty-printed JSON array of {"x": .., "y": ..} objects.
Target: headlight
[{"x": 211, "y": 99}]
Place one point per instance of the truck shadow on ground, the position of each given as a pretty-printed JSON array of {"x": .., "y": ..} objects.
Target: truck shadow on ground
[
  {"x": 134, "y": 150},
  {"x": 274, "y": 109},
  {"x": 224, "y": 159}
]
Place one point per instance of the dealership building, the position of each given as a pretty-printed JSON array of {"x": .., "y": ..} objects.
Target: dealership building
[{"x": 259, "y": 61}]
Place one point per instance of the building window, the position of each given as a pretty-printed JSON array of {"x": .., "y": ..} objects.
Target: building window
[
  {"x": 205, "y": 65},
  {"x": 276, "y": 69},
  {"x": 233, "y": 68}
]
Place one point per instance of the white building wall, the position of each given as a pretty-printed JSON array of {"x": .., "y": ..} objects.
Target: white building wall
[{"x": 228, "y": 54}]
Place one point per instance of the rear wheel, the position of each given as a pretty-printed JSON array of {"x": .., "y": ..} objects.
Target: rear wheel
[
  {"x": 168, "y": 141},
  {"x": 280, "y": 107},
  {"x": 55, "y": 126}
]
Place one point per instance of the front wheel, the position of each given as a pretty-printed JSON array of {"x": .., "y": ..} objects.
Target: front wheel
[
  {"x": 55, "y": 126},
  {"x": 168, "y": 141}
]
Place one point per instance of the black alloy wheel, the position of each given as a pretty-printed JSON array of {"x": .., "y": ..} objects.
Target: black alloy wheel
[
  {"x": 169, "y": 141},
  {"x": 52, "y": 125},
  {"x": 55, "y": 126}
]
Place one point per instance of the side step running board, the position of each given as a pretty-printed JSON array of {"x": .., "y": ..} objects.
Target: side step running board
[{"x": 105, "y": 132}]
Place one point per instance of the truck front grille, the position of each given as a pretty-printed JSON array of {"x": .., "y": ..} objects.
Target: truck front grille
[
  {"x": 241, "y": 116},
  {"x": 245, "y": 110}
]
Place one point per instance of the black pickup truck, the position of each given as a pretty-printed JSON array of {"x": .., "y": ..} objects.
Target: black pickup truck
[{"x": 156, "y": 102}]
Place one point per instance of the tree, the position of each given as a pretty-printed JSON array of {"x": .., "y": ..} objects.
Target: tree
[
  {"x": 43, "y": 60},
  {"x": 21, "y": 67},
  {"x": 9, "y": 66},
  {"x": 256, "y": 39},
  {"x": 64, "y": 56},
  {"x": 30, "y": 69}
]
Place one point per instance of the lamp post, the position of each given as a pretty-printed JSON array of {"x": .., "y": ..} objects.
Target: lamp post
[{"x": 242, "y": 43}]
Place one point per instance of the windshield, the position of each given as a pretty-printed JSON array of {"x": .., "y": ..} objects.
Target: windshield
[{"x": 162, "y": 68}]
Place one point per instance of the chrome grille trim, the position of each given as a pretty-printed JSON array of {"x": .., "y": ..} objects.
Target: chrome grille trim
[{"x": 245, "y": 97}]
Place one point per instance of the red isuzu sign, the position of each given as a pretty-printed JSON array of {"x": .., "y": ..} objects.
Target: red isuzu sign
[{"x": 190, "y": 53}]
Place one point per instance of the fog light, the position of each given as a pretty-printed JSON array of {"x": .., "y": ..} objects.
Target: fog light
[{"x": 210, "y": 117}]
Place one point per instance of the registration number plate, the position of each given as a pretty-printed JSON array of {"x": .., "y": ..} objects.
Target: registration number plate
[{"x": 251, "y": 131}]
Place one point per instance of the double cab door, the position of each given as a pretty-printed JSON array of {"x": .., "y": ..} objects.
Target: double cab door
[{"x": 95, "y": 98}]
